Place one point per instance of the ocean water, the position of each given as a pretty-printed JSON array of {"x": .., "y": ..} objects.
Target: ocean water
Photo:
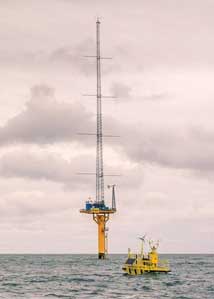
[{"x": 83, "y": 276}]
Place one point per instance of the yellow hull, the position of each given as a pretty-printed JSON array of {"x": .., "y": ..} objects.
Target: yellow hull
[
  {"x": 140, "y": 264},
  {"x": 139, "y": 270}
]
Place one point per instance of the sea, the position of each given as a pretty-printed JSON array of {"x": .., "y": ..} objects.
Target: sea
[{"x": 84, "y": 276}]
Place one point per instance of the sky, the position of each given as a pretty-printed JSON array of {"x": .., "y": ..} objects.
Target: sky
[{"x": 161, "y": 73}]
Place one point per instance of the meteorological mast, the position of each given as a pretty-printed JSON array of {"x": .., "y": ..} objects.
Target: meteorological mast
[{"x": 98, "y": 208}]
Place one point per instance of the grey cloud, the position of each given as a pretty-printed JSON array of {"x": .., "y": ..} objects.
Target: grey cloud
[
  {"x": 27, "y": 206},
  {"x": 169, "y": 33},
  {"x": 124, "y": 92},
  {"x": 29, "y": 165},
  {"x": 32, "y": 165},
  {"x": 79, "y": 57},
  {"x": 44, "y": 120},
  {"x": 120, "y": 90},
  {"x": 75, "y": 57},
  {"x": 155, "y": 97},
  {"x": 179, "y": 148},
  {"x": 68, "y": 57}
]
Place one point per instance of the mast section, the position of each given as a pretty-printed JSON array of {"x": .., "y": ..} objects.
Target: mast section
[{"x": 99, "y": 148}]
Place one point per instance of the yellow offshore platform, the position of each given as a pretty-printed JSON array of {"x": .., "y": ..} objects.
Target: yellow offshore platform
[
  {"x": 97, "y": 208},
  {"x": 101, "y": 215},
  {"x": 137, "y": 264}
]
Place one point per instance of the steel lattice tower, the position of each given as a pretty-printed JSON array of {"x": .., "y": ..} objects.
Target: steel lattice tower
[
  {"x": 98, "y": 208},
  {"x": 99, "y": 151}
]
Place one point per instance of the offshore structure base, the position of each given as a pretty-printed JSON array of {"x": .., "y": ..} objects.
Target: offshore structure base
[{"x": 101, "y": 215}]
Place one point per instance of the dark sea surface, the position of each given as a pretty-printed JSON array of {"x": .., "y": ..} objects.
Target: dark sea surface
[{"x": 83, "y": 276}]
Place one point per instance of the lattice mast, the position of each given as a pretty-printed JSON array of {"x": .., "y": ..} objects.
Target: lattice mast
[
  {"x": 98, "y": 208},
  {"x": 99, "y": 150}
]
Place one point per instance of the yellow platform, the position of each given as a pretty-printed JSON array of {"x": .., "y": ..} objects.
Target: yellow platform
[{"x": 97, "y": 211}]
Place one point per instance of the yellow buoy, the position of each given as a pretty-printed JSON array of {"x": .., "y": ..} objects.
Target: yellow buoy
[{"x": 137, "y": 264}]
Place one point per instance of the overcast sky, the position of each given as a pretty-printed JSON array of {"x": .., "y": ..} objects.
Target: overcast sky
[{"x": 162, "y": 75}]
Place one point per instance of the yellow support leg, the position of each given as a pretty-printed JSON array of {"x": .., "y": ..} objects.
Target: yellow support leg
[{"x": 101, "y": 220}]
